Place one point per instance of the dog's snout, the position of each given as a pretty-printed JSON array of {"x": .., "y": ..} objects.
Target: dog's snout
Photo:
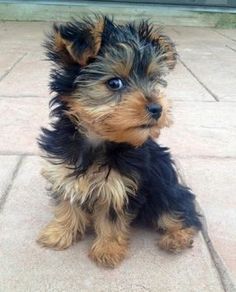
[{"x": 154, "y": 110}]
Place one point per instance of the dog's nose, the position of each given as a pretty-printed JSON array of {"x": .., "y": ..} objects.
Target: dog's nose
[{"x": 155, "y": 110}]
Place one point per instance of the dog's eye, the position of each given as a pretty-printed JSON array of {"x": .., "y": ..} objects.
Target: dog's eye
[{"x": 115, "y": 83}]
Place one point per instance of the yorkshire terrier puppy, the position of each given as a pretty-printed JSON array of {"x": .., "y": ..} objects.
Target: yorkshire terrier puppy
[{"x": 102, "y": 161}]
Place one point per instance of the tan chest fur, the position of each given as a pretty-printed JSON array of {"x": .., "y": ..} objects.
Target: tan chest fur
[{"x": 98, "y": 186}]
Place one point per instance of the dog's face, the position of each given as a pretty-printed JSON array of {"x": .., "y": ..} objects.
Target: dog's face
[{"x": 115, "y": 92}]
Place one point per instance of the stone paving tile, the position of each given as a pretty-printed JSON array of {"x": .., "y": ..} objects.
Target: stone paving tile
[
  {"x": 7, "y": 61},
  {"x": 202, "y": 129},
  {"x": 214, "y": 182},
  {"x": 21, "y": 119},
  {"x": 182, "y": 86},
  {"x": 7, "y": 167},
  {"x": 208, "y": 56},
  {"x": 27, "y": 267},
  {"x": 217, "y": 72},
  {"x": 31, "y": 30},
  {"x": 228, "y": 33},
  {"x": 23, "y": 36},
  {"x": 205, "y": 36},
  {"x": 30, "y": 77}
]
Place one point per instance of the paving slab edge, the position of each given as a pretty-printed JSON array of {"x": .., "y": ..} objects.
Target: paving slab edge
[
  {"x": 225, "y": 278},
  {"x": 188, "y": 16},
  {"x": 8, "y": 188}
]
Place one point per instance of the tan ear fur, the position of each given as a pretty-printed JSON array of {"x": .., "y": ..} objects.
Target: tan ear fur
[
  {"x": 69, "y": 54},
  {"x": 168, "y": 48}
]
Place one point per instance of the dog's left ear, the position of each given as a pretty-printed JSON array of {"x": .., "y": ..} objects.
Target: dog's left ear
[
  {"x": 75, "y": 42},
  {"x": 162, "y": 42}
]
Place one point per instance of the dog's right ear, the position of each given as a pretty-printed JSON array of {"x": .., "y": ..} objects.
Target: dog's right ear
[
  {"x": 75, "y": 42},
  {"x": 161, "y": 42}
]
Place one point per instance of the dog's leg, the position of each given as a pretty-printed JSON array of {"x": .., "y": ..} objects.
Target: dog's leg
[
  {"x": 111, "y": 244},
  {"x": 178, "y": 220},
  {"x": 68, "y": 225},
  {"x": 175, "y": 235},
  {"x": 170, "y": 204}
]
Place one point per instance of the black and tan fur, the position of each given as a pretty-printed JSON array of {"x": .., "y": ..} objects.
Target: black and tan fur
[{"x": 103, "y": 164}]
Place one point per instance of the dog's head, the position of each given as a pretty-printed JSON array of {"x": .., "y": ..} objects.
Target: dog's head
[{"x": 109, "y": 77}]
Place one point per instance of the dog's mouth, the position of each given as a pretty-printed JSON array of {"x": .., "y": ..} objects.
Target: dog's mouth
[
  {"x": 143, "y": 126},
  {"x": 146, "y": 126}
]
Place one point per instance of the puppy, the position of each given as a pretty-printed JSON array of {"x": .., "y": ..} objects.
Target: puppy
[{"x": 102, "y": 161}]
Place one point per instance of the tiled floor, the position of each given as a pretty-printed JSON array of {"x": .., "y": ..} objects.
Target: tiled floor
[{"x": 203, "y": 140}]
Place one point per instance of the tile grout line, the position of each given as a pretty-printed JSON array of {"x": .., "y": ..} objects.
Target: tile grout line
[
  {"x": 173, "y": 99},
  {"x": 24, "y": 96},
  {"x": 48, "y": 97},
  {"x": 225, "y": 278},
  {"x": 225, "y": 36},
  {"x": 6, "y": 153},
  {"x": 199, "y": 81},
  {"x": 9, "y": 187},
  {"x": 234, "y": 50},
  {"x": 12, "y": 67},
  {"x": 174, "y": 155},
  {"x": 205, "y": 157},
  {"x": 176, "y": 31}
]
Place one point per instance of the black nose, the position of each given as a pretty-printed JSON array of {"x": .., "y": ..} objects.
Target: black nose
[{"x": 155, "y": 110}]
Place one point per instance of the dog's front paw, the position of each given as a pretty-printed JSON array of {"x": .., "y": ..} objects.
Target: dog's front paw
[
  {"x": 178, "y": 240},
  {"x": 108, "y": 254},
  {"x": 56, "y": 236}
]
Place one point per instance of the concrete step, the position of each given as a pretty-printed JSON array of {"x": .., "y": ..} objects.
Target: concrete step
[{"x": 161, "y": 14}]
